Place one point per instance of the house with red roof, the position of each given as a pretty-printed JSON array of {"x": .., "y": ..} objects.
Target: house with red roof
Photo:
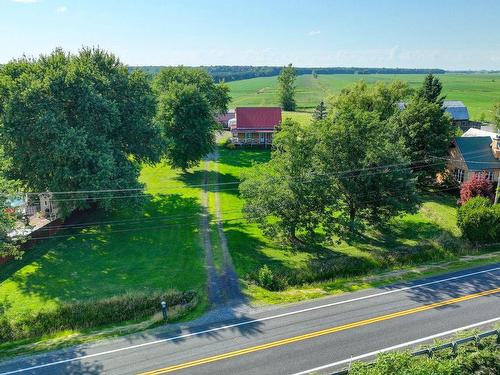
[{"x": 254, "y": 125}]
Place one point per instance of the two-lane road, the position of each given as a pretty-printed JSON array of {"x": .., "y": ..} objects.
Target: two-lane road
[{"x": 320, "y": 335}]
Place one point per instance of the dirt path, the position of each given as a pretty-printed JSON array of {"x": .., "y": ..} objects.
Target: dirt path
[
  {"x": 233, "y": 290},
  {"x": 223, "y": 285},
  {"x": 215, "y": 285}
]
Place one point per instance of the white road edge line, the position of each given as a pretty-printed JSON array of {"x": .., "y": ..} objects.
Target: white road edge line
[
  {"x": 78, "y": 358},
  {"x": 399, "y": 346}
]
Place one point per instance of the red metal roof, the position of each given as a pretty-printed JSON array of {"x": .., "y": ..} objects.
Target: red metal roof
[{"x": 257, "y": 117}]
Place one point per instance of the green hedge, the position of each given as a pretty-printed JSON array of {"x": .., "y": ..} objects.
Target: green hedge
[
  {"x": 479, "y": 220},
  {"x": 91, "y": 314}
]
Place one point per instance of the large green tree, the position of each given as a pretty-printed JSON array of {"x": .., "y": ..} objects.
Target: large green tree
[
  {"x": 427, "y": 133},
  {"x": 188, "y": 101},
  {"x": 286, "y": 196},
  {"x": 186, "y": 117},
  {"x": 367, "y": 170},
  {"x": 217, "y": 94},
  {"x": 286, "y": 88},
  {"x": 76, "y": 123}
]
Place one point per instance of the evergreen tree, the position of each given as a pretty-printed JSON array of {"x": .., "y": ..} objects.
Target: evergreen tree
[
  {"x": 431, "y": 89},
  {"x": 286, "y": 88},
  {"x": 320, "y": 112}
]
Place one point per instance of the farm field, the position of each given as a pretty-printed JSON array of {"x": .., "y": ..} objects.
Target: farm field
[
  {"x": 155, "y": 248},
  {"x": 478, "y": 91},
  {"x": 431, "y": 231}
]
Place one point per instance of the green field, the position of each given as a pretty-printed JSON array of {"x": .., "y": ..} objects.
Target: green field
[
  {"x": 154, "y": 248},
  {"x": 479, "y": 92}
]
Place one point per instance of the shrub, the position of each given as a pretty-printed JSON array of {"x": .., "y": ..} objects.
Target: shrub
[
  {"x": 478, "y": 186},
  {"x": 469, "y": 360},
  {"x": 269, "y": 280},
  {"x": 479, "y": 221},
  {"x": 91, "y": 313}
]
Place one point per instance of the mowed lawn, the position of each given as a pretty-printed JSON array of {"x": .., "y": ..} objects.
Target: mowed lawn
[
  {"x": 478, "y": 91},
  {"x": 250, "y": 249},
  {"x": 156, "y": 247}
]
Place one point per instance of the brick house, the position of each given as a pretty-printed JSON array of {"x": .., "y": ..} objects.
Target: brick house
[
  {"x": 470, "y": 155},
  {"x": 254, "y": 125}
]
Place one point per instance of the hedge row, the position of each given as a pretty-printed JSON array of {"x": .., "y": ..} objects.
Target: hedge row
[{"x": 91, "y": 314}]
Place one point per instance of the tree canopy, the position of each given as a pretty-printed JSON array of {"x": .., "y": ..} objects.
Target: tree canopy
[
  {"x": 286, "y": 88},
  {"x": 345, "y": 170},
  {"x": 427, "y": 134},
  {"x": 366, "y": 167},
  {"x": 185, "y": 115},
  {"x": 188, "y": 101},
  {"x": 285, "y": 196},
  {"x": 217, "y": 95},
  {"x": 76, "y": 122},
  {"x": 431, "y": 89}
]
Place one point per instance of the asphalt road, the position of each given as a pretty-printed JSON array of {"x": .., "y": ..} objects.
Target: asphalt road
[{"x": 296, "y": 338}]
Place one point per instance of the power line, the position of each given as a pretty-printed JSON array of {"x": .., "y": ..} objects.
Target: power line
[{"x": 230, "y": 183}]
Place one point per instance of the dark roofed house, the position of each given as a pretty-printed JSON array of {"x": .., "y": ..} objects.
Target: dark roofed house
[
  {"x": 475, "y": 155},
  {"x": 254, "y": 125},
  {"x": 458, "y": 112}
]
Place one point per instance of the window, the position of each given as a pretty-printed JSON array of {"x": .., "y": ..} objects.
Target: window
[
  {"x": 488, "y": 174},
  {"x": 459, "y": 175}
]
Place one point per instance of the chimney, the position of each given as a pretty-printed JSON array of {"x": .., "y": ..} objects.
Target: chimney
[{"x": 495, "y": 146}]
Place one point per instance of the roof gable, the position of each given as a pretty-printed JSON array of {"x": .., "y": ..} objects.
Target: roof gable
[
  {"x": 257, "y": 117},
  {"x": 477, "y": 153}
]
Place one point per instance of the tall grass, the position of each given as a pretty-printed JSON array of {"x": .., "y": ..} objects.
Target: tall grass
[
  {"x": 91, "y": 314},
  {"x": 440, "y": 248}
]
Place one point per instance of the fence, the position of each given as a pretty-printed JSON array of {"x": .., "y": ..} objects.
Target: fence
[{"x": 453, "y": 345}]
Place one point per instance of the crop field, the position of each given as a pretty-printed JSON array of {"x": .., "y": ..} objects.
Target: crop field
[{"x": 479, "y": 92}]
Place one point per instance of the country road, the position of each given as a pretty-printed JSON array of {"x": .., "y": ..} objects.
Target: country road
[{"x": 322, "y": 334}]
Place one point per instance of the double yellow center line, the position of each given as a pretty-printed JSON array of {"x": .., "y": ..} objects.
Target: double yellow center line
[{"x": 323, "y": 332}]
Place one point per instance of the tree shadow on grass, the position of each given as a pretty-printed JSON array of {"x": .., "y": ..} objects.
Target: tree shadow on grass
[
  {"x": 227, "y": 183},
  {"x": 157, "y": 248}
]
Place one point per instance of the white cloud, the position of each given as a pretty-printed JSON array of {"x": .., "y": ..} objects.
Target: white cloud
[
  {"x": 24, "y": 1},
  {"x": 314, "y": 32},
  {"x": 61, "y": 9}
]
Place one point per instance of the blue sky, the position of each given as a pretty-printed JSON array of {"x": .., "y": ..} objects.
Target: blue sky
[{"x": 450, "y": 34}]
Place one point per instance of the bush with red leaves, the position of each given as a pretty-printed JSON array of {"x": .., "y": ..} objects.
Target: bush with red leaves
[{"x": 477, "y": 186}]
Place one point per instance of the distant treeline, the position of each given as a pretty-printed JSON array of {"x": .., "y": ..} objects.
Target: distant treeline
[{"x": 234, "y": 73}]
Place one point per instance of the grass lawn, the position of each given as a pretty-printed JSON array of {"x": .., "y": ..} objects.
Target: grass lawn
[
  {"x": 431, "y": 227},
  {"x": 479, "y": 92},
  {"x": 156, "y": 247}
]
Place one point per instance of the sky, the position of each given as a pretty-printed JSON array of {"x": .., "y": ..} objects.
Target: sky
[{"x": 448, "y": 34}]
